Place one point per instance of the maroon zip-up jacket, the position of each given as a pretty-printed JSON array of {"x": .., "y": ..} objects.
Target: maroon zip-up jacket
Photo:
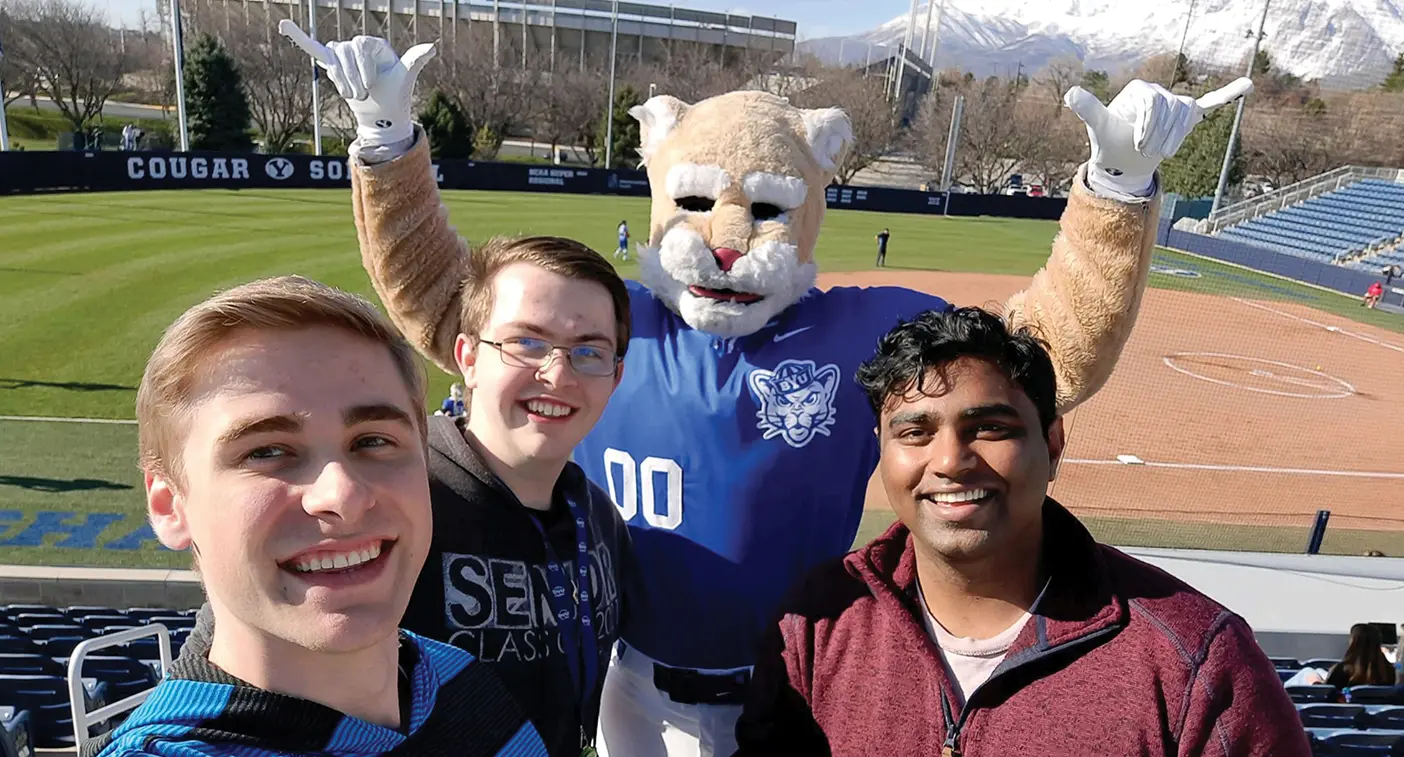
[{"x": 1119, "y": 659}]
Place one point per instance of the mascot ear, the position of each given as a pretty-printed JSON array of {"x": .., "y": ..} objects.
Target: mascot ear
[
  {"x": 829, "y": 134},
  {"x": 657, "y": 118}
]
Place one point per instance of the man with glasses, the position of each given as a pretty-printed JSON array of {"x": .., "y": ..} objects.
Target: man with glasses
[{"x": 526, "y": 566}]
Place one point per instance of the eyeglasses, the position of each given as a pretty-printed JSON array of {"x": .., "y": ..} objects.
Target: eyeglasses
[{"x": 530, "y": 352}]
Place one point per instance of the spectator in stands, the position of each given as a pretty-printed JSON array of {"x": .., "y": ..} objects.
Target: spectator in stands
[
  {"x": 1373, "y": 295},
  {"x": 1390, "y": 272},
  {"x": 987, "y": 620},
  {"x": 1364, "y": 663},
  {"x": 282, "y": 435}
]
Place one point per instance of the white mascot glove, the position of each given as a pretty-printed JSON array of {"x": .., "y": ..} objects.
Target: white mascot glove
[
  {"x": 376, "y": 83},
  {"x": 1143, "y": 126}
]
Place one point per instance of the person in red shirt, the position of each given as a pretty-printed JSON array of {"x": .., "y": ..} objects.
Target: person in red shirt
[
  {"x": 987, "y": 620},
  {"x": 1373, "y": 295}
]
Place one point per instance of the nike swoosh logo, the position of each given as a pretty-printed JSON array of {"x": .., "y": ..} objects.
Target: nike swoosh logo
[{"x": 783, "y": 337}]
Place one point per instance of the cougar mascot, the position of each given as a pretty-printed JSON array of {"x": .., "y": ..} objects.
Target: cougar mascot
[{"x": 737, "y": 445}]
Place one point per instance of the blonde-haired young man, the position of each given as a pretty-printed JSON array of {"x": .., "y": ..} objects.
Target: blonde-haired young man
[{"x": 282, "y": 434}]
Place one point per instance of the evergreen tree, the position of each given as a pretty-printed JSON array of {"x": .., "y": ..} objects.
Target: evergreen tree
[
  {"x": 626, "y": 130},
  {"x": 216, "y": 107},
  {"x": 1395, "y": 81},
  {"x": 1262, "y": 64},
  {"x": 1194, "y": 171},
  {"x": 450, "y": 135},
  {"x": 1099, "y": 84}
]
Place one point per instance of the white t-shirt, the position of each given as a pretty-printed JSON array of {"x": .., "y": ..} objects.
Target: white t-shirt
[{"x": 972, "y": 661}]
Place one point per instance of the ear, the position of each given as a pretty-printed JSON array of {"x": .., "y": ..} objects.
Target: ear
[
  {"x": 829, "y": 133},
  {"x": 465, "y": 354},
  {"x": 829, "y": 378},
  {"x": 657, "y": 118},
  {"x": 165, "y": 509},
  {"x": 618, "y": 375},
  {"x": 1056, "y": 441}
]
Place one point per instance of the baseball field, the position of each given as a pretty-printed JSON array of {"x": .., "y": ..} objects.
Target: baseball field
[{"x": 1243, "y": 405}]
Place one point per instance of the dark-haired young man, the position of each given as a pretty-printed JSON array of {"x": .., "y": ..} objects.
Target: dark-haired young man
[{"x": 987, "y": 620}]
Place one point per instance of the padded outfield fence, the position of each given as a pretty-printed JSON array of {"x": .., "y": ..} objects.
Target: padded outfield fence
[{"x": 114, "y": 171}]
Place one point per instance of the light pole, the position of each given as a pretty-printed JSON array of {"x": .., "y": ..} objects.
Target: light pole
[
  {"x": 178, "y": 53},
  {"x": 316, "y": 94},
  {"x": 4, "y": 126},
  {"x": 609, "y": 111},
  {"x": 1238, "y": 117}
]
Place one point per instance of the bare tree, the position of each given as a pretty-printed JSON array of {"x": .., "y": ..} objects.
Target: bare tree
[
  {"x": 16, "y": 73},
  {"x": 1060, "y": 76},
  {"x": 1053, "y": 144},
  {"x": 991, "y": 143},
  {"x": 875, "y": 126},
  {"x": 572, "y": 108},
  {"x": 931, "y": 129},
  {"x": 76, "y": 58},
  {"x": 500, "y": 98}
]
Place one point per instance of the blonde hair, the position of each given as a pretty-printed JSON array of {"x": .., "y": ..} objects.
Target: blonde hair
[
  {"x": 558, "y": 255},
  {"x": 284, "y": 303}
]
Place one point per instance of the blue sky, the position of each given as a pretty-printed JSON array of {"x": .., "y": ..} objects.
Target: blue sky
[{"x": 816, "y": 18}]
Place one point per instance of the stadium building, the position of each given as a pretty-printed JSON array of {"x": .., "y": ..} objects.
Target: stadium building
[{"x": 563, "y": 30}]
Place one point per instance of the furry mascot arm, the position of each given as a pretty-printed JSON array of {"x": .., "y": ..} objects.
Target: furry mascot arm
[
  {"x": 1085, "y": 300},
  {"x": 407, "y": 245}
]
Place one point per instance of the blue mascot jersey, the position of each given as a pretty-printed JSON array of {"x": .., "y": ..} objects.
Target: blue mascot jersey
[{"x": 739, "y": 464}]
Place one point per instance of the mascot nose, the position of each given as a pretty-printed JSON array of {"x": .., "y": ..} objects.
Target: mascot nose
[{"x": 726, "y": 257}]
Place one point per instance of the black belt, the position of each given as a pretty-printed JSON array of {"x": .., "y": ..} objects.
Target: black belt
[{"x": 690, "y": 686}]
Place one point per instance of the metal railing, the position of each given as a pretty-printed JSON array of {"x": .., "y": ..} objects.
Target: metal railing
[
  {"x": 77, "y": 693},
  {"x": 1292, "y": 194}
]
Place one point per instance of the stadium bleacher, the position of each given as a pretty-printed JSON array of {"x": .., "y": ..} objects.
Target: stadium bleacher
[
  {"x": 1363, "y": 216},
  {"x": 35, "y": 712},
  {"x": 36, "y": 642}
]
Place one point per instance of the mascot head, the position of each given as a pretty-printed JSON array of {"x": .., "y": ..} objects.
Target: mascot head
[{"x": 738, "y": 196}]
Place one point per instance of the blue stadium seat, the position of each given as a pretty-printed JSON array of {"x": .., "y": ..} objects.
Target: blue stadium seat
[
  {"x": 93, "y": 623},
  {"x": 16, "y": 609},
  {"x": 1387, "y": 716},
  {"x": 61, "y": 646},
  {"x": 1375, "y": 695},
  {"x": 1331, "y": 715},
  {"x": 1343, "y": 222},
  {"x": 46, "y": 698},
  {"x": 30, "y": 664},
  {"x": 1365, "y": 743},
  {"x": 30, "y": 620},
  {"x": 144, "y": 614},
  {"x": 1325, "y": 663},
  {"x": 1313, "y": 694},
  {"x": 123, "y": 675},
  {"x": 1285, "y": 663},
  {"x": 16, "y": 733},
  {"x": 17, "y": 644},
  {"x": 78, "y": 611},
  {"x": 49, "y": 631}
]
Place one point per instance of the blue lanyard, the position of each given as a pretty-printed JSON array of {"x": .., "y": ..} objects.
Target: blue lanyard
[{"x": 577, "y": 629}]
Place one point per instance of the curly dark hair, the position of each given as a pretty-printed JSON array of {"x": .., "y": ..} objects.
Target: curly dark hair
[{"x": 933, "y": 340}]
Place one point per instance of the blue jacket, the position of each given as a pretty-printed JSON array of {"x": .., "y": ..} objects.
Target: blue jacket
[{"x": 454, "y": 706}]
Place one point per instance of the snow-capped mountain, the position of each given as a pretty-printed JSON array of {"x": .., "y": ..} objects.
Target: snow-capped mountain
[{"x": 1341, "y": 43}]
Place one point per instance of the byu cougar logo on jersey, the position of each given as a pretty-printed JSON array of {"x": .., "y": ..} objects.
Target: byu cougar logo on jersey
[{"x": 796, "y": 400}]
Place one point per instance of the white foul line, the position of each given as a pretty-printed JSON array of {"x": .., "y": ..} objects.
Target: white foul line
[
  {"x": 1243, "y": 469},
  {"x": 1310, "y": 322},
  {"x": 48, "y": 419}
]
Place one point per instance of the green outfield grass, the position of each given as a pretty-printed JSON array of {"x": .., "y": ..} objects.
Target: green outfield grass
[{"x": 88, "y": 282}]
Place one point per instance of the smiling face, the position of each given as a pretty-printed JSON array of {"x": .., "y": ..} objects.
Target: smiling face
[
  {"x": 525, "y": 415},
  {"x": 965, "y": 464},
  {"x": 304, "y": 489},
  {"x": 739, "y": 183}
]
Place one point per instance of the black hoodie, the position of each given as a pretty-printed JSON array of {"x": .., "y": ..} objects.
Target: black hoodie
[{"x": 483, "y": 587}]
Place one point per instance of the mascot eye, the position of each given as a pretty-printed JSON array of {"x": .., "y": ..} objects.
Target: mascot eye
[
  {"x": 764, "y": 211},
  {"x": 696, "y": 204}
]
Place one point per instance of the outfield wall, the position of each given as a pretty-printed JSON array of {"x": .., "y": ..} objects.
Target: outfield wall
[{"x": 115, "y": 171}]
